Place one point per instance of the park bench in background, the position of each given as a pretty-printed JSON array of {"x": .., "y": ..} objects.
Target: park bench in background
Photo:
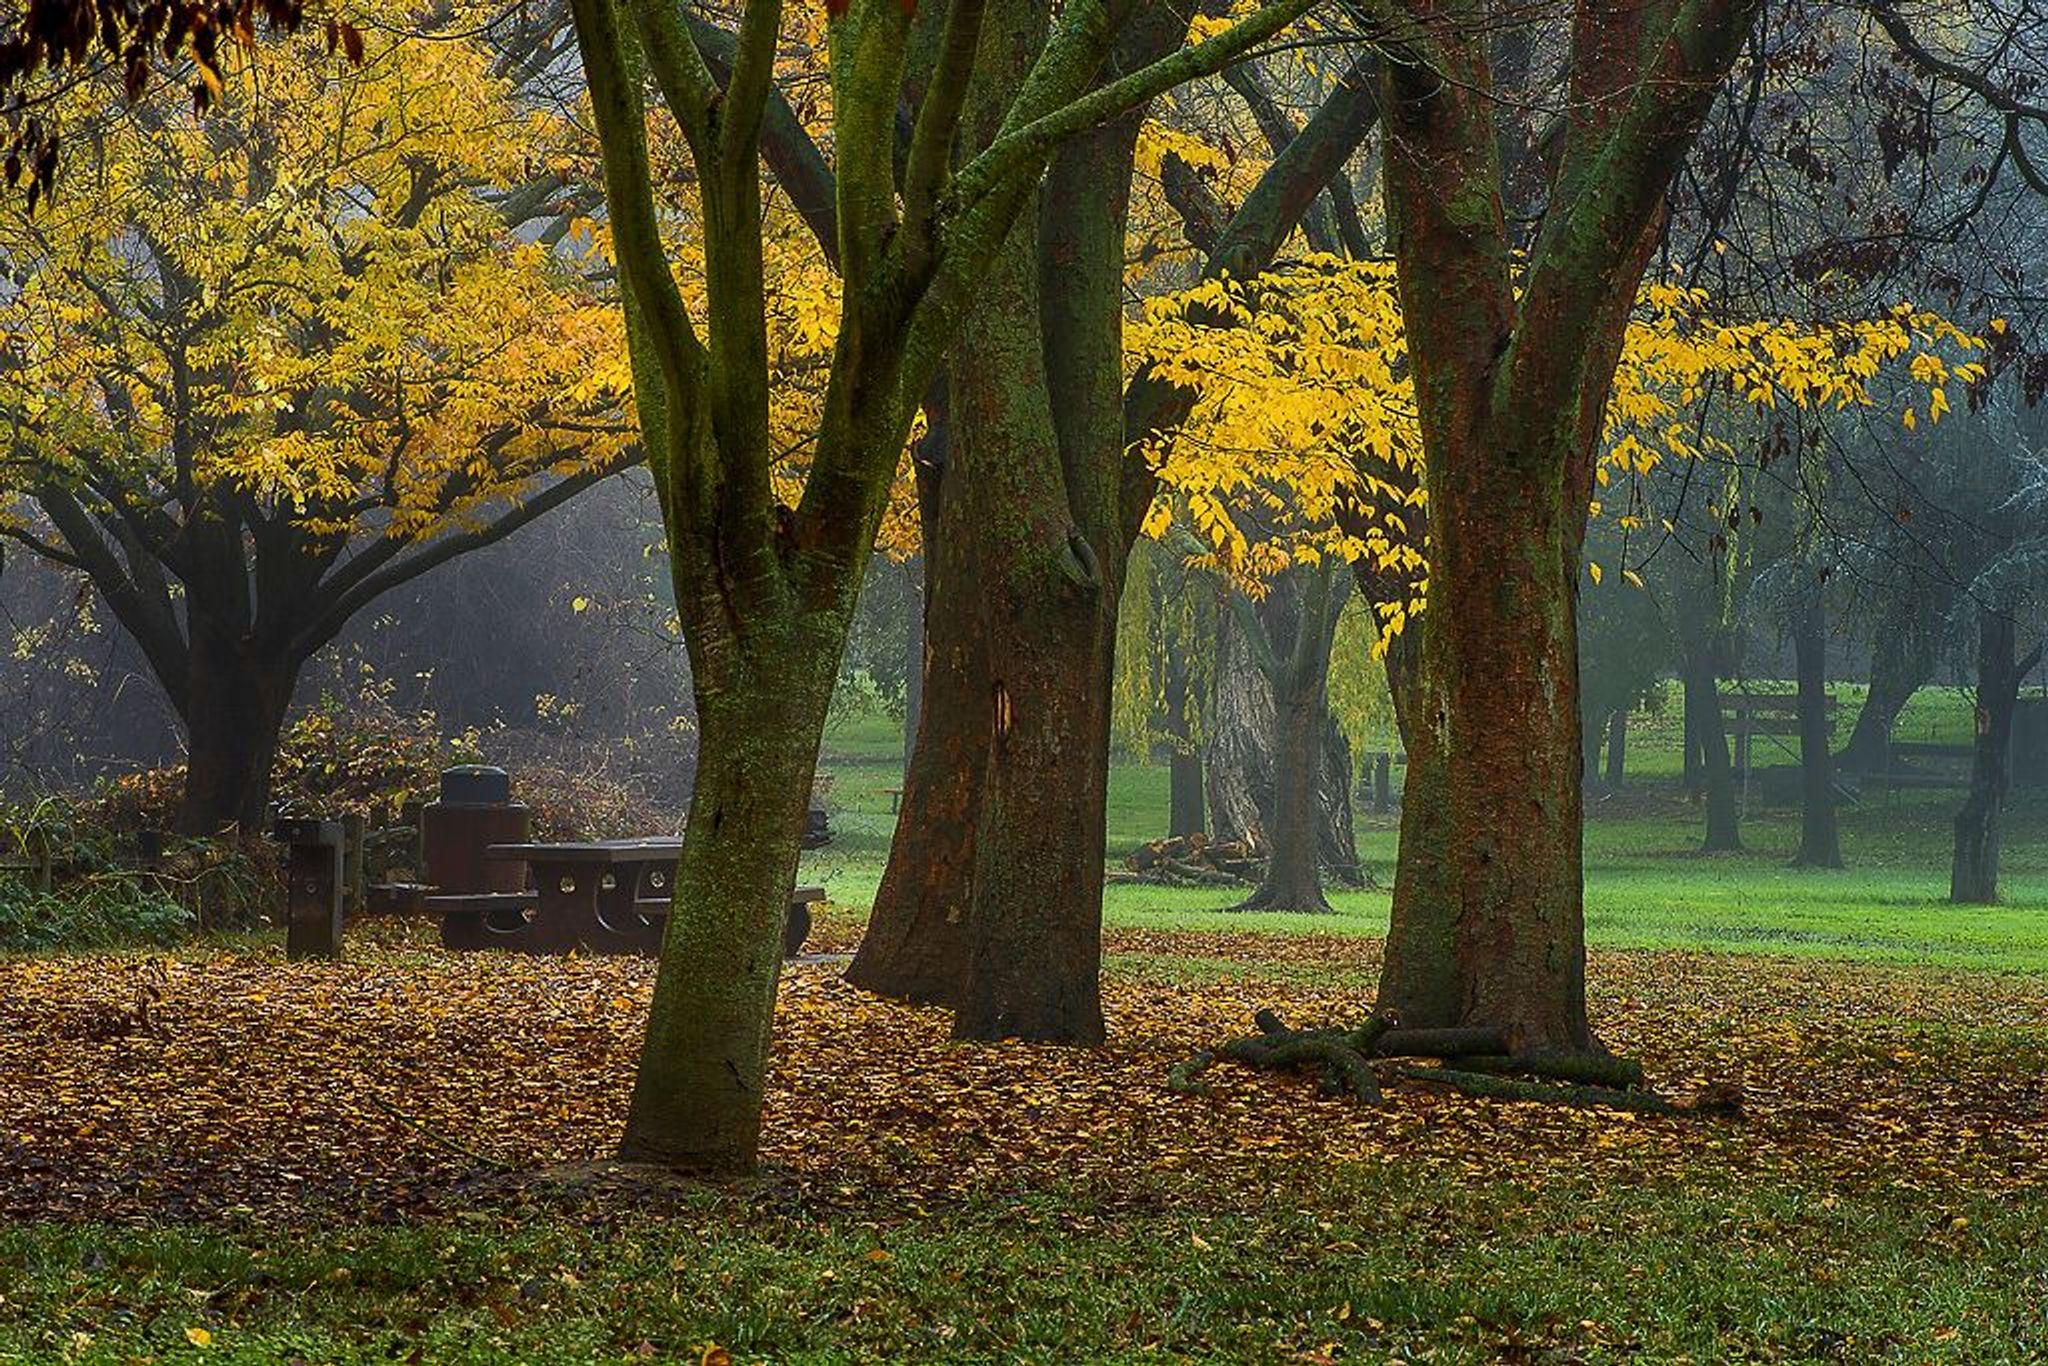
[
  {"x": 1768, "y": 714},
  {"x": 493, "y": 887}
]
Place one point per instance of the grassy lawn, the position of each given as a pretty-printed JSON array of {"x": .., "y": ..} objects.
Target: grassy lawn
[
  {"x": 399, "y": 1157},
  {"x": 1646, "y": 885},
  {"x": 1363, "y": 1265}
]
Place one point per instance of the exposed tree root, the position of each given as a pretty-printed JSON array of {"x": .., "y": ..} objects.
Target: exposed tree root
[
  {"x": 1343, "y": 1056},
  {"x": 1488, "y": 1066},
  {"x": 1715, "y": 1100},
  {"x": 1584, "y": 1069}
]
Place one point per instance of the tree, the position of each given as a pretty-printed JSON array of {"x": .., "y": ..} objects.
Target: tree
[
  {"x": 268, "y": 362},
  {"x": 1519, "y": 392},
  {"x": 2001, "y": 557},
  {"x": 765, "y": 589},
  {"x": 949, "y": 886},
  {"x": 1287, "y": 643}
]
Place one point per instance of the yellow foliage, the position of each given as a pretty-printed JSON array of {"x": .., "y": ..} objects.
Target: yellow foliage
[
  {"x": 310, "y": 295},
  {"x": 1304, "y": 440}
]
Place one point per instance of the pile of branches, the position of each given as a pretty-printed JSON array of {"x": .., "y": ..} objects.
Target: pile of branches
[
  {"x": 1479, "y": 1061},
  {"x": 1197, "y": 861}
]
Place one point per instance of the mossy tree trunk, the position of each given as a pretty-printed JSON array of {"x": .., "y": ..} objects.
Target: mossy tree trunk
[
  {"x": 1973, "y": 874},
  {"x": 1820, "y": 838},
  {"x": 1513, "y": 369},
  {"x": 765, "y": 591},
  {"x": 1901, "y": 661}
]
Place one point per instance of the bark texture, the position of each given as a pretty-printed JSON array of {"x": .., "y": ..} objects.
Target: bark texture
[
  {"x": 1513, "y": 369},
  {"x": 1973, "y": 874},
  {"x": 915, "y": 948},
  {"x": 1901, "y": 662},
  {"x": 1820, "y": 838}
]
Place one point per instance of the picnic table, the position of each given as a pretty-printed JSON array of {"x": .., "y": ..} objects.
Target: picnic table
[{"x": 589, "y": 896}]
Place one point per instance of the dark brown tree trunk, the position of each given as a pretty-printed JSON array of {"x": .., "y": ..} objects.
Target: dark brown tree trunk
[
  {"x": 1514, "y": 365},
  {"x": 913, "y": 659},
  {"x": 1039, "y": 536},
  {"x": 1901, "y": 661},
  {"x": 235, "y": 703},
  {"x": 1589, "y": 752},
  {"x": 1693, "y": 771},
  {"x": 1489, "y": 900},
  {"x": 1617, "y": 748},
  {"x": 1820, "y": 839},
  {"x": 915, "y": 948},
  {"x": 1973, "y": 875},
  {"x": 1048, "y": 614},
  {"x": 1293, "y": 880},
  {"x": 1717, "y": 770}
]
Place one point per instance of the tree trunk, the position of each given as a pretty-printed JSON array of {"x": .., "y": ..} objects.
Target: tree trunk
[
  {"x": 1336, "y": 780},
  {"x": 1039, "y": 538},
  {"x": 1589, "y": 752},
  {"x": 1973, "y": 876},
  {"x": 1187, "y": 813},
  {"x": 1901, "y": 661},
  {"x": 1617, "y": 748},
  {"x": 1293, "y": 880},
  {"x": 1717, "y": 770},
  {"x": 1513, "y": 369},
  {"x": 1820, "y": 840},
  {"x": 1237, "y": 756},
  {"x": 1489, "y": 919},
  {"x": 697, "y": 1099},
  {"x": 236, "y": 698},
  {"x": 1245, "y": 735},
  {"x": 1049, "y": 617},
  {"x": 915, "y": 948},
  {"x": 913, "y": 660},
  {"x": 1693, "y": 772}
]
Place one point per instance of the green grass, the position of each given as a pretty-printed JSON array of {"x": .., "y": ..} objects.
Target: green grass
[
  {"x": 1646, "y": 886},
  {"x": 1360, "y": 1264}
]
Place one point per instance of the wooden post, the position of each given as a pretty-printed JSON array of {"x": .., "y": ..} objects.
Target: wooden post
[
  {"x": 355, "y": 858},
  {"x": 313, "y": 888}
]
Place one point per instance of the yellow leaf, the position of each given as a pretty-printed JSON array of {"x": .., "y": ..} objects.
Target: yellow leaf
[
  {"x": 1593, "y": 569},
  {"x": 580, "y": 605},
  {"x": 199, "y": 1337}
]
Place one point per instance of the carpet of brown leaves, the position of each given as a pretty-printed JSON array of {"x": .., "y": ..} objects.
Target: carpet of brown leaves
[{"x": 134, "y": 1088}]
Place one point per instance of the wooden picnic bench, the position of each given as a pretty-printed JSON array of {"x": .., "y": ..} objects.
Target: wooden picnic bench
[
  {"x": 1754, "y": 714},
  {"x": 590, "y": 896}
]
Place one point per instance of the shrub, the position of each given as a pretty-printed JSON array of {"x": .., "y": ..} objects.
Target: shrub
[{"x": 107, "y": 910}]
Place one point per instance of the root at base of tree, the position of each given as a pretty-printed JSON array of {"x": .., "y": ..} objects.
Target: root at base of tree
[
  {"x": 1342, "y": 1056},
  {"x": 1714, "y": 1100},
  {"x": 1489, "y": 1065}
]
